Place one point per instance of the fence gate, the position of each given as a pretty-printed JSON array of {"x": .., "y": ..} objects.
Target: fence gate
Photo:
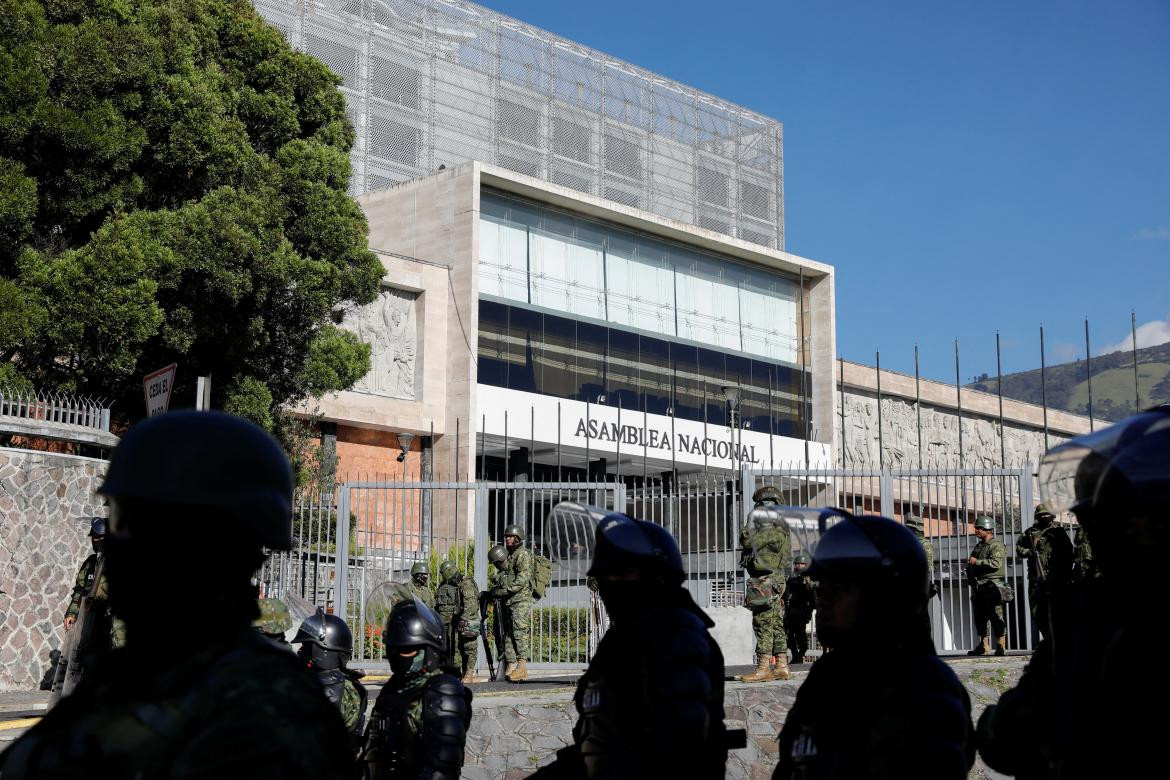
[
  {"x": 948, "y": 500},
  {"x": 381, "y": 529}
]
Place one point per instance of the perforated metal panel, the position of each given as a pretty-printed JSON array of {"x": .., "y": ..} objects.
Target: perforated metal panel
[{"x": 430, "y": 82}]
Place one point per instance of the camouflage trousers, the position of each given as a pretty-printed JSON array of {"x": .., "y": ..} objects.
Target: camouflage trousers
[
  {"x": 986, "y": 610},
  {"x": 516, "y": 641},
  {"x": 768, "y": 626},
  {"x": 467, "y": 653}
]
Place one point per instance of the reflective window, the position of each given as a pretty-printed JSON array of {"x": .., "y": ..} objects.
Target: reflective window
[{"x": 589, "y": 269}]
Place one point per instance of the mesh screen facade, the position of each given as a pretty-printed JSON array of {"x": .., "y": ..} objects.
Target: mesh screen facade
[{"x": 433, "y": 82}]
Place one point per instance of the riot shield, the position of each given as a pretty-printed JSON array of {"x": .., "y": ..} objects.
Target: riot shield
[{"x": 381, "y": 599}]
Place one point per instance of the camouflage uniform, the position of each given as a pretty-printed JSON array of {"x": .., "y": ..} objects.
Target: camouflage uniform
[
  {"x": 985, "y": 577},
  {"x": 108, "y": 625},
  {"x": 238, "y": 708},
  {"x": 1084, "y": 568},
  {"x": 399, "y": 743},
  {"x": 423, "y": 593},
  {"x": 274, "y": 620},
  {"x": 353, "y": 701},
  {"x": 457, "y": 602},
  {"x": 1047, "y": 549},
  {"x": 800, "y": 599},
  {"x": 514, "y": 584},
  {"x": 768, "y": 622}
]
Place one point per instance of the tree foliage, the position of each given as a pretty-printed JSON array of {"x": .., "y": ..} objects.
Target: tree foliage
[{"x": 173, "y": 189}]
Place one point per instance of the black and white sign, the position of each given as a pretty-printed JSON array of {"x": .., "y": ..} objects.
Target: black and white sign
[{"x": 156, "y": 386}]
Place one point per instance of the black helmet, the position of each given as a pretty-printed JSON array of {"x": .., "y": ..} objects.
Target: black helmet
[
  {"x": 624, "y": 543},
  {"x": 1127, "y": 463},
  {"x": 497, "y": 554},
  {"x": 768, "y": 494},
  {"x": 212, "y": 460},
  {"x": 97, "y": 527},
  {"x": 876, "y": 551},
  {"x": 448, "y": 570},
  {"x": 413, "y": 624},
  {"x": 514, "y": 530},
  {"x": 329, "y": 637}
]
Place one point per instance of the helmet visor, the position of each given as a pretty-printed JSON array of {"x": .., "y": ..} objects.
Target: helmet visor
[{"x": 805, "y": 525}]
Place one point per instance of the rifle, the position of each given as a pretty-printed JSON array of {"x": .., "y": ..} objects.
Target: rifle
[
  {"x": 483, "y": 621},
  {"x": 80, "y": 640},
  {"x": 501, "y": 626}
]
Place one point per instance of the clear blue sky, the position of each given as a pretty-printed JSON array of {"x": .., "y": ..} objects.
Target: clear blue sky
[{"x": 966, "y": 166}]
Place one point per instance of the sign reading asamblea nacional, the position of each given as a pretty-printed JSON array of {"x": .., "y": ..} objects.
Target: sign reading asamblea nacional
[
  {"x": 655, "y": 439},
  {"x": 156, "y": 387}
]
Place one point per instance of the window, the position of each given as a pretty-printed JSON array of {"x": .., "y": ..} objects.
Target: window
[
  {"x": 394, "y": 82},
  {"x": 394, "y": 141},
  {"x": 623, "y": 157},
  {"x": 518, "y": 123},
  {"x": 714, "y": 187},
  {"x": 572, "y": 140},
  {"x": 503, "y": 259}
]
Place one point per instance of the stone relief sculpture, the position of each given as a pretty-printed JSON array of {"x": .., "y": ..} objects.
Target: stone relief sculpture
[{"x": 389, "y": 325}]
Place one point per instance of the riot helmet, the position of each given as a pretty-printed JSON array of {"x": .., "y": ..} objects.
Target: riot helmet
[
  {"x": 210, "y": 461},
  {"x": 413, "y": 626},
  {"x": 497, "y": 555},
  {"x": 1117, "y": 482},
  {"x": 624, "y": 544},
  {"x": 768, "y": 494},
  {"x": 420, "y": 573},
  {"x": 325, "y": 640},
  {"x": 448, "y": 570}
]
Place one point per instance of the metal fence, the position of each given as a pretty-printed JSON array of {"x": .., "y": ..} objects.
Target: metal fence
[
  {"x": 948, "y": 500},
  {"x": 433, "y": 82},
  {"x": 55, "y": 407}
]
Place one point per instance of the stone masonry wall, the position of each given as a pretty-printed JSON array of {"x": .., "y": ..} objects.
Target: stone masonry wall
[
  {"x": 511, "y": 736},
  {"x": 940, "y": 436},
  {"x": 46, "y": 503}
]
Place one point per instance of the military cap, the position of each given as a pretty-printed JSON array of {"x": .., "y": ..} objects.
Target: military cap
[{"x": 1042, "y": 510}]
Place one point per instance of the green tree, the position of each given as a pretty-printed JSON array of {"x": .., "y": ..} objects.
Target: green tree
[{"x": 173, "y": 189}]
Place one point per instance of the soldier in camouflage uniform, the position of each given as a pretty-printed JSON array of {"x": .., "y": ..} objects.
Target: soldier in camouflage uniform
[
  {"x": 514, "y": 589},
  {"x": 800, "y": 599},
  {"x": 1049, "y": 553},
  {"x": 419, "y": 576},
  {"x": 768, "y": 495},
  {"x": 985, "y": 571},
  {"x": 771, "y": 550},
  {"x": 1084, "y": 566},
  {"x": 326, "y": 643},
  {"x": 418, "y": 727},
  {"x": 108, "y": 631},
  {"x": 227, "y": 703},
  {"x": 915, "y": 524},
  {"x": 274, "y": 620},
  {"x": 457, "y": 602}
]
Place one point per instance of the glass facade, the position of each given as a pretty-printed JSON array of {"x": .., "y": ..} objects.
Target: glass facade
[
  {"x": 537, "y": 256},
  {"x": 534, "y": 351}
]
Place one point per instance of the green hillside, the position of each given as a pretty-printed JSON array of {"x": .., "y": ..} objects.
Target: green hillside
[{"x": 1067, "y": 384}]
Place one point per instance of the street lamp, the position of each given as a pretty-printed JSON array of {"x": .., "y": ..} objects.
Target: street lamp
[{"x": 404, "y": 442}]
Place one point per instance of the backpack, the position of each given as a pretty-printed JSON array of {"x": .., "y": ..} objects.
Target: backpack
[
  {"x": 541, "y": 575},
  {"x": 771, "y": 550},
  {"x": 760, "y": 594}
]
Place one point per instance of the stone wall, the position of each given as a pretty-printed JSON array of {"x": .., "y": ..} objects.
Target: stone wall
[
  {"x": 511, "y": 736},
  {"x": 46, "y": 503},
  {"x": 940, "y": 436}
]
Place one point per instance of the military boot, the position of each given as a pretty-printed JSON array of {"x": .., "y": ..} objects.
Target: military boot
[
  {"x": 509, "y": 669},
  {"x": 1000, "y": 645},
  {"x": 981, "y": 648},
  {"x": 519, "y": 671},
  {"x": 761, "y": 674},
  {"x": 469, "y": 677},
  {"x": 780, "y": 669}
]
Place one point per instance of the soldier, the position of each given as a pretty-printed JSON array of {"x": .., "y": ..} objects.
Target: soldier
[
  {"x": 768, "y": 495},
  {"x": 1083, "y": 707},
  {"x": 651, "y": 702},
  {"x": 326, "y": 644},
  {"x": 457, "y": 602},
  {"x": 419, "y": 724},
  {"x": 985, "y": 570},
  {"x": 767, "y": 568},
  {"x": 882, "y": 704},
  {"x": 274, "y": 620},
  {"x": 915, "y": 524},
  {"x": 800, "y": 599},
  {"x": 1049, "y": 553},
  {"x": 229, "y": 703},
  {"x": 420, "y": 573},
  {"x": 1084, "y": 566},
  {"x": 91, "y": 593},
  {"x": 513, "y": 590}
]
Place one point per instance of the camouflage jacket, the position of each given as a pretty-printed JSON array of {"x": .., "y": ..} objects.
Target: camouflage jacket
[
  {"x": 514, "y": 581},
  {"x": 928, "y": 548},
  {"x": 418, "y": 728},
  {"x": 424, "y": 594},
  {"x": 990, "y": 560},
  {"x": 1083, "y": 567},
  {"x": 1049, "y": 550},
  {"x": 108, "y": 624},
  {"x": 239, "y": 708}
]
